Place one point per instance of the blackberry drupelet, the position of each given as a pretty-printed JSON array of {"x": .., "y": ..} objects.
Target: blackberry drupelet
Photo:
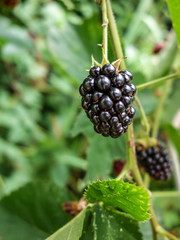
[
  {"x": 107, "y": 99},
  {"x": 155, "y": 161}
]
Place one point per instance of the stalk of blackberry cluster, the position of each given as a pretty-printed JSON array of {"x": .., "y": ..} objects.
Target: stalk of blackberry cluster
[
  {"x": 155, "y": 161},
  {"x": 107, "y": 98}
]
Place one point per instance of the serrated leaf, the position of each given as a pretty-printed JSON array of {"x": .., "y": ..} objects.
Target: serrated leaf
[
  {"x": 130, "y": 198},
  {"x": 39, "y": 204},
  {"x": 72, "y": 230},
  {"x": 174, "y": 7},
  {"x": 101, "y": 223}
]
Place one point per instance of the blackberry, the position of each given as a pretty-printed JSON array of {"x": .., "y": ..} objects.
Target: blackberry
[
  {"x": 107, "y": 99},
  {"x": 155, "y": 161}
]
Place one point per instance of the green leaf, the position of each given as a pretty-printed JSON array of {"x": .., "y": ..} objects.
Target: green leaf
[
  {"x": 39, "y": 204},
  {"x": 101, "y": 223},
  {"x": 83, "y": 125},
  {"x": 14, "y": 228},
  {"x": 174, "y": 135},
  {"x": 130, "y": 198},
  {"x": 72, "y": 230},
  {"x": 174, "y": 7},
  {"x": 101, "y": 154}
]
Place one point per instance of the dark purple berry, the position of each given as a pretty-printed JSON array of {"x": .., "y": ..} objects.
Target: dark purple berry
[
  {"x": 133, "y": 89},
  {"x": 87, "y": 97},
  {"x": 131, "y": 112},
  {"x": 107, "y": 98},
  {"x": 115, "y": 94},
  {"x": 105, "y": 116},
  {"x": 127, "y": 90},
  {"x": 95, "y": 71},
  {"x": 81, "y": 90},
  {"x": 119, "y": 107},
  {"x": 96, "y": 96},
  {"x": 95, "y": 108},
  {"x": 88, "y": 84},
  {"x": 102, "y": 83},
  {"x": 85, "y": 105},
  {"x": 154, "y": 161},
  {"x": 118, "y": 80},
  {"x": 105, "y": 103},
  {"x": 108, "y": 70},
  {"x": 125, "y": 72},
  {"x": 126, "y": 100}
]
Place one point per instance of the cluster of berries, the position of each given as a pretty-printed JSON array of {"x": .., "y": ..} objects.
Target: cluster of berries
[
  {"x": 107, "y": 98},
  {"x": 155, "y": 161}
]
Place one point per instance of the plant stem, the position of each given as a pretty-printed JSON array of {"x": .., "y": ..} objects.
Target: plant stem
[
  {"x": 143, "y": 115},
  {"x": 159, "y": 108},
  {"x": 166, "y": 194},
  {"x": 157, "y": 81},
  {"x": 105, "y": 29},
  {"x": 165, "y": 233},
  {"x": 114, "y": 35}
]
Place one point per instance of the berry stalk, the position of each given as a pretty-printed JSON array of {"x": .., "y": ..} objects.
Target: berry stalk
[
  {"x": 105, "y": 31},
  {"x": 116, "y": 44},
  {"x": 157, "y": 81}
]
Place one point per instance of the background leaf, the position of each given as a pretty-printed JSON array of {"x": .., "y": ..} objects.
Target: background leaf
[
  {"x": 37, "y": 204},
  {"x": 174, "y": 7}
]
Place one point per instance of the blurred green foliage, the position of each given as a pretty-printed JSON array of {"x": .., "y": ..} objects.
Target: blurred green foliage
[{"x": 45, "y": 47}]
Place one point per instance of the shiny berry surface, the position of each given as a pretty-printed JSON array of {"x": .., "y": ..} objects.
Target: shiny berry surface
[{"x": 107, "y": 98}]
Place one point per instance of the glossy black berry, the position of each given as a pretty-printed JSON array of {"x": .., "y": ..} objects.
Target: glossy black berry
[
  {"x": 88, "y": 84},
  {"x": 96, "y": 96},
  {"x": 115, "y": 94},
  {"x": 129, "y": 74},
  {"x": 131, "y": 111},
  {"x": 133, "y": 89},
  {"x": 95, "y": 71},
  {"x": 118, "y": 80},
  {"x": 102, "y": 83},
  {"x": 108, "y": 70},
  {"x": 155, "y": 161},
  {"x": 105, "y": 116},
  {"x": 107, "y": 99},
  {"x": 119, "y": 107},
  {"x": 105, "y": 103},
  {"x": 81, "y": 90},
  {"x": 127, "y": 90}
]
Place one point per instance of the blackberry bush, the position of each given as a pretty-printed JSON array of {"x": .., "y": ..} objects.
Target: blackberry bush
[
  {"x": 107, "y": 98},
  {"x": 155, "y": 161}
]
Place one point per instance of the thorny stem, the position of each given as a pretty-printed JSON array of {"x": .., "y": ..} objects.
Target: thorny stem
[
  {"x": 157, "y": 81},
  {"x": 159, "y": 108},
  {"x": 114, "y": 35},
  {"x": 130, "y": 136},
  {"x": 105, "y": 30},
  {"x": 143, "y": 116}
]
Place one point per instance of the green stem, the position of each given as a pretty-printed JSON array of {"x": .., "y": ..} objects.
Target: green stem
[
  {"x": 166, "y": 194},
  {"x": 165, "y": 233},
  {"x": 157, "y": 81},
  {"x": 114, "y": 35},
  {"x": 105, "y": 30},
  {"x": 146, "y": 180},
  {"x": 143, "y": 116},
  {"x": 159, "y": 108}
]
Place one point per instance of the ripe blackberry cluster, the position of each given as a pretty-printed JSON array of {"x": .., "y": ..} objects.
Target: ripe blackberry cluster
[
  {"x": 106, "y": 98},
  {"x": 155, "y": 161}
]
